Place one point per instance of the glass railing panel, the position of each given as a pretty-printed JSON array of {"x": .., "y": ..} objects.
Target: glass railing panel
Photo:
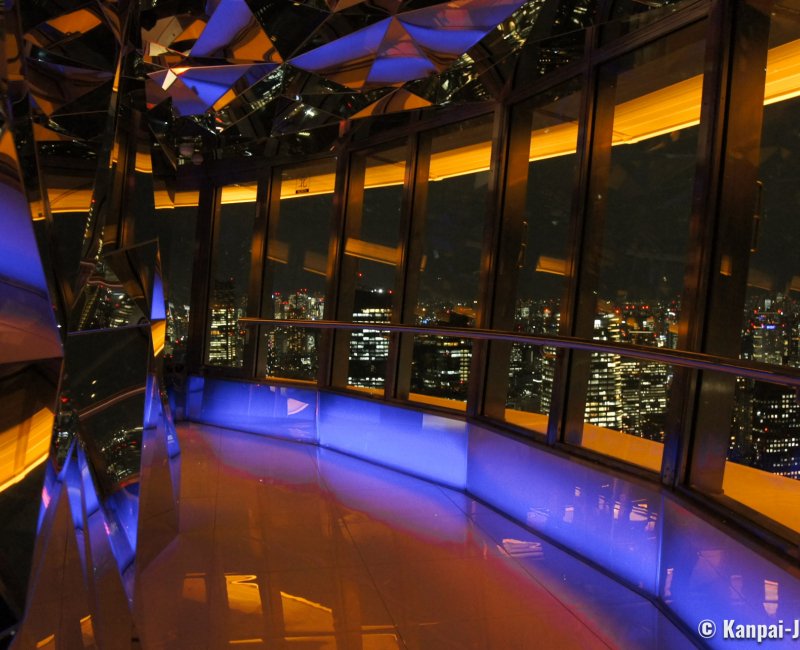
[
  {"x": 626, "y": 409},
  {"x": 531, "y": 373},
  {"x": 290, "y": 353},
  {"x": 440, "y": 371},
  {"x": 762, "y": 470}
]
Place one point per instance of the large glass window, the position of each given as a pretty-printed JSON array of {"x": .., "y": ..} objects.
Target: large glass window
[
  {"x": 771, "y": 320},
  {"x": 764, "y": 450},
  {"x": 372, "y": 254},
  {"x": 230, "y": 274},
  {"x": 176, "y": 233},
  {"x": 646, "y": 152},
  {"x": 451, "y": 258},
  {"x": 294, "y": 286},
  {"x": 542, "y": 259}
]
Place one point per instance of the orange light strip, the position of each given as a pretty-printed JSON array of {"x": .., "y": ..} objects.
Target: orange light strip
[{"x": 663, "y": 111}]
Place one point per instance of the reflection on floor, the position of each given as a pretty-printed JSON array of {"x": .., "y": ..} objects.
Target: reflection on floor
[{"x": 286, "y": 545}]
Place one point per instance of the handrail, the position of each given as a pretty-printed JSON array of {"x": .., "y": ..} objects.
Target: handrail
[{"x": 756, "y": 370}]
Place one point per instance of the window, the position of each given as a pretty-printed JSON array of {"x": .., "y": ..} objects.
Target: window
[
  {"x": 297, "y": 264},
  {"x": 372, "y": 255},
  {"x": 451, "y": 246},
  {"x": 230, "y": 275},
  {"x": 646, "y": 141},
  {"x": 543, "y": 248}
]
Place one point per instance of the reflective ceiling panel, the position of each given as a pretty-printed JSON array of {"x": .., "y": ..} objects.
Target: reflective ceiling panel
[{"x": 358, "y": 53}]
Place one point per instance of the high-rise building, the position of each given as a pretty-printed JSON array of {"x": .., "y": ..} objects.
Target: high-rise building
[
  {"x": 226, "y": 337},
  {"x": 369, "y": 348}
]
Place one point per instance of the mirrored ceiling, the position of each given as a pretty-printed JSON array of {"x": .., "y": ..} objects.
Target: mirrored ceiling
[{"x": 234, "y": 77}]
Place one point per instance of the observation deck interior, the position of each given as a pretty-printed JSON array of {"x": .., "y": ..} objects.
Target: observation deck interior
[{"x": 414, "y": 324}]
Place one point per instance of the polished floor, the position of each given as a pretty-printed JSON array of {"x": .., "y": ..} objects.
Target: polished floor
[{"x": 286, "y": 545}]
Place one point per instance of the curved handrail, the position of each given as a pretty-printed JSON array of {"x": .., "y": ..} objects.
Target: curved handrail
[{"x": 756, "y": 370}]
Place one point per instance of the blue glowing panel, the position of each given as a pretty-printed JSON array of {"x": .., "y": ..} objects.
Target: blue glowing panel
[
  {"x": 221, "y": 75},
  {"x": 173, "y": 444},
  {"x": 706, "y": 575},
  {"x": 611, "y": 521},
  {"x": 158, "y": 310},
  {"x": 152, "y": 403},
  {"x": 51, "y": 485},
  {"x": 388, "y": 71},
  {"x": 208, "y": 92},
  {"x": 212, "y": 82},
  {"x": 195, "y": 387},
  {"x": 230, "y": 18},
  {"x": 272, "y": 410},
  {"x": 111, "y": 551},
  {"x": 453, "y": 42},
  {"x": 429, "y": 446},
  {"x": 359, "y": 45},
  {"x": 123, "y": 509},
  {"x": 28, "y": 329}
]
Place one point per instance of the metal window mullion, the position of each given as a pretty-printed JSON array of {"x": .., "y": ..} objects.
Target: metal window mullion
[
  {"x": 740, "y": 31},
  {"x": 258, "y": 255},
  {"x": 499, "y": 269},
  {"x": 588, "y": 219},
  {"x": 205, "y": 235},
  {"x": 353, "y": 204},
  {"x": 415, "y": 197},
  {"x": 330, "y": 363}
]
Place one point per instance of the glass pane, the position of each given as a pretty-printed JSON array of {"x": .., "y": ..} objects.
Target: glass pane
[
  {"x": 451, "y": 256},
  {"x": 648, "y": 188},
  {"x": 627, "y": 16},
  {"x": 176, "y": 233},
  {"x": 372, "y": 253},
  {"x": 230, "y": 274},
  {"x": 647, "y": 151},
  {"x": 297, "y": 263},
  {"x": 543, "y": 252},
  {"x": 440, "y": 371},
  {"x": 627, "y": 396},
  {"x": 771, "y": 321},
  {"x": 763, "y": 464}
]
